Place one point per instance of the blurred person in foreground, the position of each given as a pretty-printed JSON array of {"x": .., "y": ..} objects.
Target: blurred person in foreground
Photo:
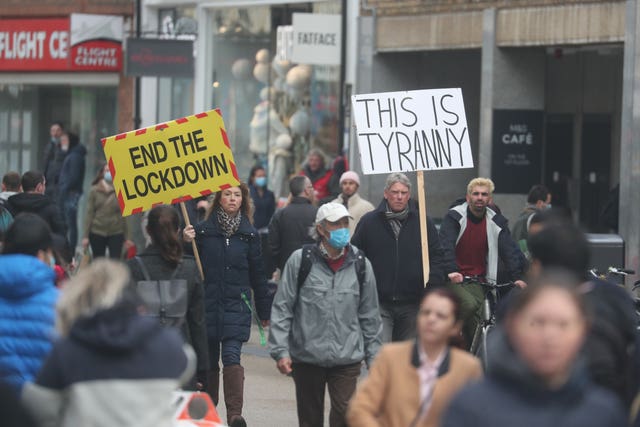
[
  {"x": 612, "y": 347},
  {"x": 112, "y": 366},
  {"x": 164, "y": 260},
  {"x": 536, "y": 376},
  {"x": 412, "y": 382},
  {"x": 27, "y": 299},
  {"x": 104, "y": 226}
]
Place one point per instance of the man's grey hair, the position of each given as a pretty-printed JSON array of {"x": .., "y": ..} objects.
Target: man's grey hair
[
  {"x": 298, "y": 184},
  {"x": 396, "y": 177}
]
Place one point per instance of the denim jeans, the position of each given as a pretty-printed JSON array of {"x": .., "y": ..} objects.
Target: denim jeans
[
  {"x": 398, "y": 320},
  {"x": 230, "y": 353}
]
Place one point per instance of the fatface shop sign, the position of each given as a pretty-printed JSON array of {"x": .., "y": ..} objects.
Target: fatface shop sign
[
  {"x": 316, "y": 39},
  {"x": 517, "y": 150},
  {"x": 81, "y": 43}
]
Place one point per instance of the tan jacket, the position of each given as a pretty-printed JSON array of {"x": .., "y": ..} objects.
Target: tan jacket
[
  {"x": 103, "y": 216},
  {"x": 390, "y": 395},
  {"x": 357, "y": 208}
]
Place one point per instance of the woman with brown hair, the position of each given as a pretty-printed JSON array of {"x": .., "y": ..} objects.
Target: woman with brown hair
[
  {"x": 229, "y": 246},
  {"x": 412, "y": 382},
  {"x": 164, "y": 259}
]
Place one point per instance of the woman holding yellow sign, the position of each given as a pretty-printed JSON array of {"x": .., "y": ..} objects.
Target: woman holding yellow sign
[{"x": 229, "y": 246}]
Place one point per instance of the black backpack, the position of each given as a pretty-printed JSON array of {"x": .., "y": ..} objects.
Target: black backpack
[
  {"x": 165, "y": 300},
  {"x": 305, "y": 266}
]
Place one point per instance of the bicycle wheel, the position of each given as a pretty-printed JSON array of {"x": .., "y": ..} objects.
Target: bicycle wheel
[
  {"x": 476, "y": 341},
  {"x": 483, "y": 350}
]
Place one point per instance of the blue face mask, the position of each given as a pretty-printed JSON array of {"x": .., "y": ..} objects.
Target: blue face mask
[
  {"x": 52, "y": 262},
  {"x": 339, "y": 238},
  {"x": 107, "y": 177},
  {"x": 261, "y": 181}
]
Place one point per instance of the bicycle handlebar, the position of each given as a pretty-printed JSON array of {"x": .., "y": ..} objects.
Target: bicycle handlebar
[
  {"x": 484, "y": 282},
  {"x": 611, "y": 270}
]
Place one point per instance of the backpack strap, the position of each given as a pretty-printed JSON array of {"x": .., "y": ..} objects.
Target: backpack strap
[
  {"x": 361, "y": 269},
  {"x": 145, "y": 272},
  {"x": 305, "y": 264},
  {"x": 175, "y": 272}
]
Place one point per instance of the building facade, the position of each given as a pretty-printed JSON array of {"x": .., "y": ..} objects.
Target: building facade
[
  {"x": 61, "y": 61},
  {"x": 275, "y": 108},
  {"x": 548, "y": 87}
]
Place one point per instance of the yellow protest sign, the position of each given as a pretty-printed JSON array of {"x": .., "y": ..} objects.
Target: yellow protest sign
[{"x": 170, "y": 162}]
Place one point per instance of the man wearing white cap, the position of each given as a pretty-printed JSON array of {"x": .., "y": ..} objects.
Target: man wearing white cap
[
  {"x": 325, "y": 318},
  {"x": 356, "y": 205}
]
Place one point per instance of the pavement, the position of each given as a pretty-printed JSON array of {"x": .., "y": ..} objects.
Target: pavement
[{"x": 269, "y": 396}]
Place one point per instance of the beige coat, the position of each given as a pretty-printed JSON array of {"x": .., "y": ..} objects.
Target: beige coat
[
  {"x": 357, "y": 208},
  {"x": 390, "y": 395}
]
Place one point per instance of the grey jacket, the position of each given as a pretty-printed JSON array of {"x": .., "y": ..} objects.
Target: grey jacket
[{"x": 330, "y": 323}]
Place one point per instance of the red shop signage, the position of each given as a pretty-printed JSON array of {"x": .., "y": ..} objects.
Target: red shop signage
[
  {"x": 93, "y": 43},
  {"x": 34, "y": 44}
]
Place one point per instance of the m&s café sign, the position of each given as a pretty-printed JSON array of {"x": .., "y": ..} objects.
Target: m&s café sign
[{"x": 82, "y": 42}]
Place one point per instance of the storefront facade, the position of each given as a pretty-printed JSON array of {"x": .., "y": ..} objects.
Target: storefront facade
[
  {"x": 549, "y": 89},
  {"x": 275, "y": 109},
  {"x": 62, "y": 64}
]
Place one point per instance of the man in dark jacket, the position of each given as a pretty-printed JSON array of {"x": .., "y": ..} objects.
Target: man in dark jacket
[
  {"x": 538, "y": 199},
  {"x": 390, "y": 238},
  {"x": 474, "y": 237},
  {"x": 290, "y": 226},
  {"x": 53, "y": 158},
  {"x": 70, "y": 183},
  {"x": 33, "y": 200}
]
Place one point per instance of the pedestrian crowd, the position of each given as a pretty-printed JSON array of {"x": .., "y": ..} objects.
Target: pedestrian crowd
[{"x": 334, "y": 280}]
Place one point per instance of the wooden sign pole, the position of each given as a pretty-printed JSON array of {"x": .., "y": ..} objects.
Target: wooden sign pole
[
  {"x": 424, "y": 240},
  {"x": 193, "y": 242}
]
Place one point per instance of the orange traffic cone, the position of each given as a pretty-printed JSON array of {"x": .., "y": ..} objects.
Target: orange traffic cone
[{"x": 195, "y": 409}]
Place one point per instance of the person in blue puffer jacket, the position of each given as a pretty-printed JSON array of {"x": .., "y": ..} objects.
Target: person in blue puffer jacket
[
  {"x": 231, "y": 256},
  {"x": 27, "y": 299}
]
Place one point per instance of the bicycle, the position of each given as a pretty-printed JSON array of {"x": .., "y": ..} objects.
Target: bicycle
[
  {"x": 491, "y": 297},
  {"x": 610, "y": 273}
]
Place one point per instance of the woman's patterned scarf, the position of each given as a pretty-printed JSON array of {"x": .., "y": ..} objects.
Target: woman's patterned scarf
[{"x": 229, "y": 224}]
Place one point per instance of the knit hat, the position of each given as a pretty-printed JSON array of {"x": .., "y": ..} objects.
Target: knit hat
[{"x": 350, "y": 175}]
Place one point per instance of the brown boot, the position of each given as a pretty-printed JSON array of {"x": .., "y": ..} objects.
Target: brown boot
[
  {"x": 213, "y": 385},
  {"x": 233, "y": 383}
]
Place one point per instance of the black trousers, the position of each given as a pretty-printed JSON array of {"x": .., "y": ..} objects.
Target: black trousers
[{"x": 311, "y": 381}]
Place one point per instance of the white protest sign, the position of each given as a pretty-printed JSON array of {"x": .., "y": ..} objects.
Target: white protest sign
[
  {"x": 316, "y": 39},
  {"x": 412, "y": 130}
]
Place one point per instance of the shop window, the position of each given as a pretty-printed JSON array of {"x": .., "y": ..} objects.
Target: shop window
[{"x": 275, "y": 111}]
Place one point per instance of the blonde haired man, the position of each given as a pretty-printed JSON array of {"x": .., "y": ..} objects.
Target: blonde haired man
[{"x": 474, "y": 238}]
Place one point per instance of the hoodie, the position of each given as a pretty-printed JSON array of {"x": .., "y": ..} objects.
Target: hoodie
[
  {"x": 40, "y": 205},
  {"x": 511, "y": 394},
  {"x": 115, "y": 368},
  {"x": 27, "y": 315}
]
